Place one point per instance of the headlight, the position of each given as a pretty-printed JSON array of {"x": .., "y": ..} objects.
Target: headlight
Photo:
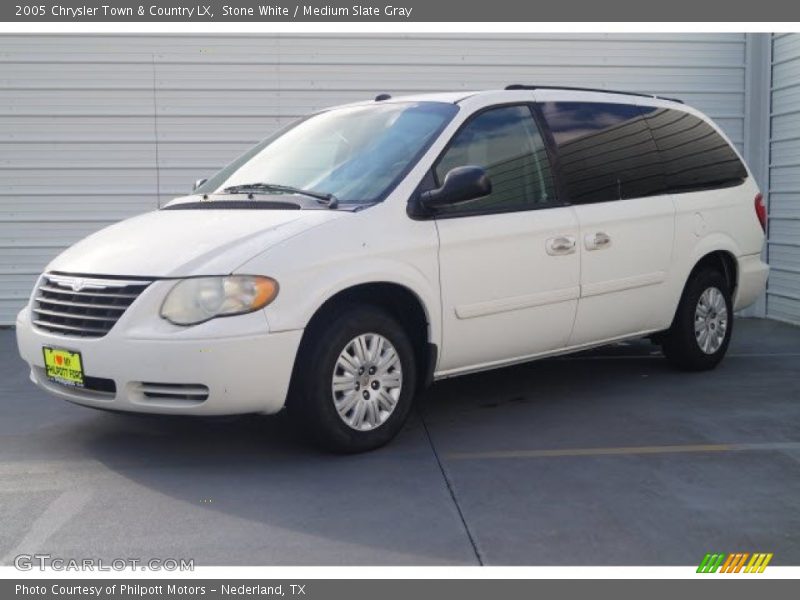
[{"x": 199, "y": 299}]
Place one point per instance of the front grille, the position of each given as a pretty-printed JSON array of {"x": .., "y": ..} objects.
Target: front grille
[
  {"x": 190, "y": 392},
  {"x": 83, "y": 306}
]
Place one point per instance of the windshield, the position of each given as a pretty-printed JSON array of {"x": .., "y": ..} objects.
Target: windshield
[{"x": 357, "y": 154}]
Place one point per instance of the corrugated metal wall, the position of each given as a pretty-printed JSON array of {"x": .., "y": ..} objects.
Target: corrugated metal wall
[
  {"x": 783, "y": 249},
  {"x": 96, "y": 128}
]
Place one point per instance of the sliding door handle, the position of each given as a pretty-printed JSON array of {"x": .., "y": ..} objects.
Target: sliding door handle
[
  {"x": 563, "y": 244},
  {"x": 597, "y": 241}
]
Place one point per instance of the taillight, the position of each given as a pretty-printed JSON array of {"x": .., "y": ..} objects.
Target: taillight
[{"x": 761, "y": 211}]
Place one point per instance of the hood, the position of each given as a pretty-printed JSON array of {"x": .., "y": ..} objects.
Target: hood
[{"x": 179, "y": 243}]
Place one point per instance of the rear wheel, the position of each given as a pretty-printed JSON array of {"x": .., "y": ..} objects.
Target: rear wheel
[
  {"x": 699, "y": 336},
  {"x": 355, "y": 381}
]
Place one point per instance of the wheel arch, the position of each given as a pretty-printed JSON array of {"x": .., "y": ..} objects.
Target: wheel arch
[
  {"x": 401, "y": 302},
  {"x": 722, "y": 259}
]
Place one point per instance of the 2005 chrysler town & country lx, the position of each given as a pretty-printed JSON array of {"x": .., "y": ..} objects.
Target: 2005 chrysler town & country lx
[{"x": 368, "y": 249}]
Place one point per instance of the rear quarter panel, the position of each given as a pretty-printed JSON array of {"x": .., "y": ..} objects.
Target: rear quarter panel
[{"x": 711, "y": 221}]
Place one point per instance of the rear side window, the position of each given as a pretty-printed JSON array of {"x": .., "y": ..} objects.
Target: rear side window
[
  {"x": 506, "y": 142},
  {"x": 694, "y": 155},
  {"x": 605, "y": 151}
]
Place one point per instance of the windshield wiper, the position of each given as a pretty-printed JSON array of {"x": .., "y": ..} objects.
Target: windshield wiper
[{"x": 328, "y": 200}]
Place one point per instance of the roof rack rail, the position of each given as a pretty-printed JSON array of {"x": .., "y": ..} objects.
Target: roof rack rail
[{"x": 520, "y": 86}]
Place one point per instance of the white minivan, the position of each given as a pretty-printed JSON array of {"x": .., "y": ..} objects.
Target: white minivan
[{"x": 367, "y": 250}]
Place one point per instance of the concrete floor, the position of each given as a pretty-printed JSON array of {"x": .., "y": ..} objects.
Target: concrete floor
[{"x": 607, "y": 458}]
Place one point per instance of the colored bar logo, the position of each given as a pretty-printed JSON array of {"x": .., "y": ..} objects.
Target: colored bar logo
[{"x": 736, "y": 562}]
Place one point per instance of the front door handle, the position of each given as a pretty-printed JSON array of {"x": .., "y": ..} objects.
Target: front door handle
[
  {"x": 558, "y": 246},
  {"x": 597, "y": 241}
]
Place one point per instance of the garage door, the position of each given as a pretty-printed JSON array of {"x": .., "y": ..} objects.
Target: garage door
[
  {"x": 96, "y": 128},
  {"x": 783, "y": 293}
]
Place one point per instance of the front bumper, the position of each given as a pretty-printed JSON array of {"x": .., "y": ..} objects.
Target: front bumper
[{"x": 226, "y": 366}]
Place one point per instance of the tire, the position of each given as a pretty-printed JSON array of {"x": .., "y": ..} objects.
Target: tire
[
  {"x": 315, "y": 406},
  {"x": 702, "y": 351}
]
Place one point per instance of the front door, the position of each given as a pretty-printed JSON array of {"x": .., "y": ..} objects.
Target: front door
[{"x": 509, "y": 262}]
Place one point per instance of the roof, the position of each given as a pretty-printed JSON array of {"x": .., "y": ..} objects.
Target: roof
[{"x": 547, "y": 93}]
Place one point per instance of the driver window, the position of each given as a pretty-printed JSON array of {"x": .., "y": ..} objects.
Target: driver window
[{"x": 507, "y": 144}]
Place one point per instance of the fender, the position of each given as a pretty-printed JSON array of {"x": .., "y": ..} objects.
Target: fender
[
  {"x": 330, "y": 281},
  {"x": 713, "y": 242},
  {"x": 311, "y": 268}
]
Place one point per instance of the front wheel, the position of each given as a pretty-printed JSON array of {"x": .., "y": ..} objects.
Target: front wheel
[
  {"x": 700, "y": 334},
  {"x": 355, "y": 381}
]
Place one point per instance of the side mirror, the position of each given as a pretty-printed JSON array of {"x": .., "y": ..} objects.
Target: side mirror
[
  {"x": 460, "y": 185},
  {"x": 198, "y": 183}
]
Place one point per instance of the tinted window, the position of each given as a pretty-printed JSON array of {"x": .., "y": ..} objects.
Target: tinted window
[
  {"x": 605, "y": 151},
  {"x": 695, "y": 156},
  {"x": 507, "y": 144}
]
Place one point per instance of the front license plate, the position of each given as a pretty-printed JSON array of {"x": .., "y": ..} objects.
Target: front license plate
[{"x": 63, "y": 366}]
